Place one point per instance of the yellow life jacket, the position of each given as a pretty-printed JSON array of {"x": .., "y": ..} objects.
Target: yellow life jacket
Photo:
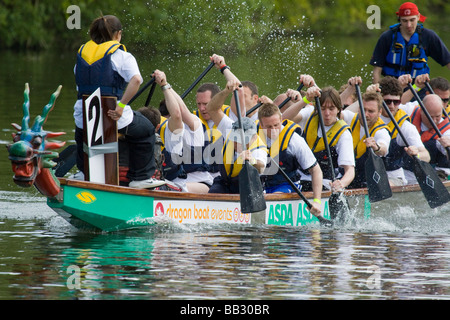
[
  {"x": 94, "y": 69},
  {"x": 213, "y": 133},
  {"x": 358, "y": 143},
  {"x": 233, "y": 167},
  {"x": 162, "y": 130},
  {"x": 226, "y": 110},
  {"x": 282, "y": 142},
  {"x": 92, "y": 52},
  {"x": 333, "y": 134},
  {"x": 400, "y": 117}
]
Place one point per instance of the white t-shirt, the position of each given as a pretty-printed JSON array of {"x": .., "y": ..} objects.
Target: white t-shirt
[
  {"x": 126, "y": 65},
  {"x": 381, "y": 136},
  {"x": 410, "y": 133},
  {"x": 412, "y": 136},
  {"x": 225, "y": 126},
  {"x": 305, "y": 113}
]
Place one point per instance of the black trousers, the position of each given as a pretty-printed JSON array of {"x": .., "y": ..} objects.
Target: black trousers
[
  {"x": 220, "y": 185},
  {"x": 80, "y": 153},
  {"x": 140, "y": 137}
]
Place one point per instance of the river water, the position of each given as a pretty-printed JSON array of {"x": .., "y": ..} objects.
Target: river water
[{"x": 400, "y": 254}]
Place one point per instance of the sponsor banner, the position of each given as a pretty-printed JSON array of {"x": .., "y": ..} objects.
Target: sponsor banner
[
  {"x": 293, "y": 213},
  {"x": 197, "y": 211},
  {"x": 284, "y": 213}
]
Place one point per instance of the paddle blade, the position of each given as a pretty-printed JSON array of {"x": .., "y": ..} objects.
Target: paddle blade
[
  {"x": 338, "y": 206},
  {"x": 378, "y": 186},
  {"x": 432, "y": 187},
  {"x": 250, "y": 190}
]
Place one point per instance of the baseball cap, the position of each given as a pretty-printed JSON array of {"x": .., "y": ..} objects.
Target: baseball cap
[{"x": 410, "y": 9}]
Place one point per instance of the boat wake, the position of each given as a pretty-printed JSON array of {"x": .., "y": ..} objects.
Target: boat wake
[
  {"x": 31, "y": 206},
  {"x": 24, "y": 206},
  {"x": 395, "y": 218},
  {"x": 385, "y": 216}
]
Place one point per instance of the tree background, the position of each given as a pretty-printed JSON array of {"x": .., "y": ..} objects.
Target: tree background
[{"x": 189, "y": 26}]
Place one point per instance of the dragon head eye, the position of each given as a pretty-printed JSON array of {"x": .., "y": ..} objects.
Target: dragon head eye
[
  {"x": 16, "y": 137},
  {"x": 36, "y": 142}
]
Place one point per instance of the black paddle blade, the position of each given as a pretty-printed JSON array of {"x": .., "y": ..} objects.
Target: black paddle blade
[
  {"x": 378, "y": 186},
  {"x": 66, "y": 160},
  {"x": 250, "y": 190},
  {"x": 432, "y": 187},
  {"x": 338, "y": 206}
]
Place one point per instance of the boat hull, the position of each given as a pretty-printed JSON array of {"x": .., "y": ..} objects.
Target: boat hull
[{"x": 112, "y": 208}]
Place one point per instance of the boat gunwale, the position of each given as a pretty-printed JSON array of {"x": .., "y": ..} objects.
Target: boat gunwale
[{"x": 160, "y": 194}]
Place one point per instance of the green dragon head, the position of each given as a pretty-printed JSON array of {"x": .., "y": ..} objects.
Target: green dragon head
[{"x": 30, "y": 151}]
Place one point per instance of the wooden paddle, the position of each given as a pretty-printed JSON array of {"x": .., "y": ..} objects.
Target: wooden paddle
[
  {"x": 432, "y": 187},
  {"x": 322, "y": 219},
  {"x": 256, "y": 106},
  {"x": 337, "y": 202},
  {"x": 148, "y": 84},
  {"x": 200, "y": 77},
  {"x": 250, "y": 187},
  {"x": 438, "y": 132},
  {"x": 378, "y": 186},
  {"x": 281, "y": 105},
  {"x": 150, "y": 95}
]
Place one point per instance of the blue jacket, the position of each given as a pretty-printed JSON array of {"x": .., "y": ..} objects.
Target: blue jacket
[{"x": 406, "y": 57}]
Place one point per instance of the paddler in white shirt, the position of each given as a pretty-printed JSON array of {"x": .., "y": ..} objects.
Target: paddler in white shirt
[{"x": 184, "y": 139}]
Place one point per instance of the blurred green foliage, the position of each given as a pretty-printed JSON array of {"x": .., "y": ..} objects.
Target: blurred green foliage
[{"x": 192, "y": 26}]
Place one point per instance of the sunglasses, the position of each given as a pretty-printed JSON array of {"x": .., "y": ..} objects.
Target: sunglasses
[
  {"x": 445, "y": 100},
  {"x": 396, "y": 102}
]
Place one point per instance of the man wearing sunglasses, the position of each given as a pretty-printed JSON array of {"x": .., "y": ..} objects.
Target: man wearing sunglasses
[
  {"x": 439, "y": 85},
  {"x": 434, "y": 104},
  {"x": 398, "y": 162}
]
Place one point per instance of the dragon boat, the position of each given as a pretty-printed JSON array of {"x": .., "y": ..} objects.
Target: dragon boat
[{"x": 108, "y": 207}]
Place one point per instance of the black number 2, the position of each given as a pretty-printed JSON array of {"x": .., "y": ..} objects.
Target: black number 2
[{"x": 95, "y": 104}]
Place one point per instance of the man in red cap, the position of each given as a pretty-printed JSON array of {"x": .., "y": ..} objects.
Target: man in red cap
[{"x": 406, "y": 46}]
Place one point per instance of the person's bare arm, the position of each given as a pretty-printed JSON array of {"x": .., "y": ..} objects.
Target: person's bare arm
[
  {"x": 376, "y": 75},
  {"x": 190, "y": 119},
  {"x": 175, "y": 121},
  {"x": 130, "y": 91},
  {"x": 316, "y": 180},
  {"x": 214, "y": 106}
]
